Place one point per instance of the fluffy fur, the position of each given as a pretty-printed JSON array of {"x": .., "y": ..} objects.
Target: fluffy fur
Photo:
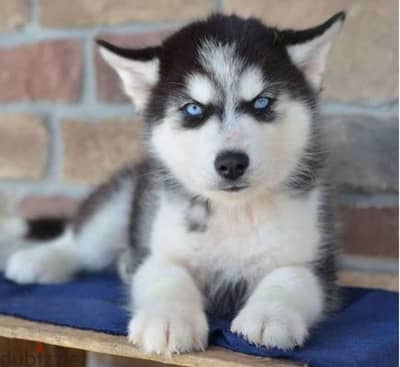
[{"x": 188, "y": 240}]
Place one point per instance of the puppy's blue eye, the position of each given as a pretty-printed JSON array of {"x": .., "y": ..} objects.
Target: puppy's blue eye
[
  {"x": 193, "y": 110},
  {"x": 261, "y": 103}
]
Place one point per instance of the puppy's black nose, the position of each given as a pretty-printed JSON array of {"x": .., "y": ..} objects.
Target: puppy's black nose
[{"x": 231, "y": 165}]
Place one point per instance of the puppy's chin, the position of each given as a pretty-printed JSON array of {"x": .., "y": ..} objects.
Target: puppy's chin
[{"x": 233, "y": 196}]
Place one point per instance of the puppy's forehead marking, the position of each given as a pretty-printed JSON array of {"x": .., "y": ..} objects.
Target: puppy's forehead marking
[
  {"x": 251, "y": 83},
  {"x": 200, "y": 88},
  {"x": 237, "y": 80},
  {"x": 222, "y": 62},
  {"x": 224, "y": 65}
]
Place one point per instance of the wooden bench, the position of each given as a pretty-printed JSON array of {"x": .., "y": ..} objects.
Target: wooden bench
[{"x": 64, "y": 346}]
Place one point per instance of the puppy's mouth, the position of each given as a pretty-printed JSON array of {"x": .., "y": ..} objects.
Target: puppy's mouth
[{"x": 234, "y": 188}]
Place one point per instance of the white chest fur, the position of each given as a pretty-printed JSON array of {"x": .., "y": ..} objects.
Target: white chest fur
[{"x": 245, "y": 241}]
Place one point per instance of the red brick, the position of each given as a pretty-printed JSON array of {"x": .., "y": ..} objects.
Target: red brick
[
  {"x": 47, "y": 206},
  {"x": 23, "y": 147},
  {"x": 370, "y": 231},
  {"x": 93, "y": 150},
  {"x": 13, "y": 14},
  {"x": 108, "y": 84},
  {"x": 78, "y": 13},
  {"x": 42, "y": 71},
  {"x": 363, "y": 152}
]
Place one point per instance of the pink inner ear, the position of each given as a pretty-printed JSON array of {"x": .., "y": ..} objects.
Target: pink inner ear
[
  {"x": 309, "y": 67},
  {"x": 311, "y": 59},
  {"x": 137, "y": 80}
]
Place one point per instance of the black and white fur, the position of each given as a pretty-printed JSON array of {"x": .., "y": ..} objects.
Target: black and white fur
[{"x": 185, "y": 239}]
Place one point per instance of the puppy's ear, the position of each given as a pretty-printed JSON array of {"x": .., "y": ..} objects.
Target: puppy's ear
[
  {"x": 309, "y": 48},
  {"x": 137, "y": 68}
]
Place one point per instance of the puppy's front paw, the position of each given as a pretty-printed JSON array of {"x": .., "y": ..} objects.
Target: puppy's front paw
[
  {"x": 168, "y": 330},
  {"x": 272, "y": 327}
]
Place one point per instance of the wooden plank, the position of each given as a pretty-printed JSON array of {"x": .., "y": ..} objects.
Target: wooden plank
[
  {"x": 114, "y": 361},
  {"x": 23, "y": 353},
  {"x": 15, "y": 328},
  {"x": 11, "y": 327},
  {"x": 103, "y": 360}
]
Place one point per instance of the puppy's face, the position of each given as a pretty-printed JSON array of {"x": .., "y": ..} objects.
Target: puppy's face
[
  {"x": 233, "y": 125},
  {"x": 229, "y": 102}
]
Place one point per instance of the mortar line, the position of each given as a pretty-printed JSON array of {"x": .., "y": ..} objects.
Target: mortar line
[
  {"x": 56, "y": 150},
  {"x": 385, "y": 109},
  {"x": 35, "y": 33},
  {"x": 91, "y": 111},
  {"x": 88, "y": 94},
  {"x": 218, "y": 6},
  {"x": 20, "y": 190},
  {"x": 374, "y": 199},
  {"x": 34, "y": 9},
  {"x": 46, "y": 122},
  {"x": 368, "y": 264}
]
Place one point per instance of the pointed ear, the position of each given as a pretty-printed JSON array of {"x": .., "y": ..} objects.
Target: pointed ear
[
  {"x": 137, "y": 68},
  {"x": 309, "y": 48}
]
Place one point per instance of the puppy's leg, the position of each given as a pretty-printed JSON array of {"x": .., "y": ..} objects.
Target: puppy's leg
[
  {"x": 51, "y": 262},
  {"x": 168, "y": 310},
  {"x": 93, "y": 241},
  {"x": 282, "y": 308}
]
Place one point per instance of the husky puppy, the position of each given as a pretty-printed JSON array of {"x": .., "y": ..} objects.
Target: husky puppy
[{"x": 229, "y": 212}]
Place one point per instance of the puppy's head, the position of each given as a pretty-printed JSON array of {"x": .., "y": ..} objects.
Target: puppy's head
[{"x": 230, "y": 103}]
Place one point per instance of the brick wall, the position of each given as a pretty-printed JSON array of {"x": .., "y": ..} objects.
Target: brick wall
[{"x": 65, "y": 125}]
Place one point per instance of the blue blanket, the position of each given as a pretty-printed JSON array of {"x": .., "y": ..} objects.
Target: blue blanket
[{"x": 363, "y": 333}]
